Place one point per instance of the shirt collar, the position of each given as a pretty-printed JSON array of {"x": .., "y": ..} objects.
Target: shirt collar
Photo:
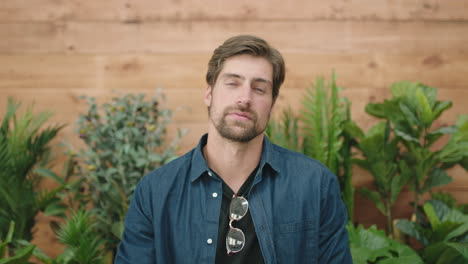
[{"x": 200, "y": 167}]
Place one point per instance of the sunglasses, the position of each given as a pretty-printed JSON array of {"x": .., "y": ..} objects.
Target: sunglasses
[{"x": 235, "y": 238}]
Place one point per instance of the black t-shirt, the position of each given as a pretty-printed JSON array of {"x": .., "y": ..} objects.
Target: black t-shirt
[{"x": 251, "y": 252}]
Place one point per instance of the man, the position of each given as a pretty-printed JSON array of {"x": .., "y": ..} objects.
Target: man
[{"x": 236, "y": 197}]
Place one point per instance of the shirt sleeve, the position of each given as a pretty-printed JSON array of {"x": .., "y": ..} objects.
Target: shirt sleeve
[
  {"x": 137, "y": 245},
  {"x": 333, "y": 244}
]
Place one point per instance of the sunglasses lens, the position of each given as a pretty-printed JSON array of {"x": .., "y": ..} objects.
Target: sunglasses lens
[
  {"x": 235, "y": 240},
  {"x": 239, "y": 207}
]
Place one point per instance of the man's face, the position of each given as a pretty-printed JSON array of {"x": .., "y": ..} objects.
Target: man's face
[{"x": 241, "y": 100}]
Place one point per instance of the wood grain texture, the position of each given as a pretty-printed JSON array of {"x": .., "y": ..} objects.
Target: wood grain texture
[
  {"x": 204, "y": 36},
  {"x": 168, "y": 71},
  {"x": 53, "y": 51},
  {"x": 190, "y": 111},
  {"x": 154, "y": 10}
]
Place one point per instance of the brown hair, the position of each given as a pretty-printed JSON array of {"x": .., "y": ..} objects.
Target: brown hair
[{"x": 246, "y": 44}]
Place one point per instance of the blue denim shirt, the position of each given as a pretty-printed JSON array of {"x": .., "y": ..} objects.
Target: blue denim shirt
[{"x": 294, "y": 201}]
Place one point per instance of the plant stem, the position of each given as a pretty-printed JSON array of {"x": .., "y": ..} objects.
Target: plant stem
[
  {"x": 416, "y": 196},
  {"x": 388, "y": 212}
]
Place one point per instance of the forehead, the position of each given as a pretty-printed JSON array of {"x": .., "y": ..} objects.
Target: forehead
[{"x": 248, "y": 67}]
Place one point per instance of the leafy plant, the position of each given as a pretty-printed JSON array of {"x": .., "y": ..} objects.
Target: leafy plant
[
  {"x": 125, "y": 139},
  {"x": 443, "y": 231},
  {"x": 83, "y": 244},
  {"x": 324, "y": 117},
  {"x": 412, "y": 111},
  {"x": 21, "y": 255},
  {"x": 380, "y": 158},
  {"x": 24, "y": 146},
  {"x": 69, "y": 194},
  {"x": 450, "y": 201},
  {"x": 373, "y": 246},
  {"x": 285, "y": 132}
]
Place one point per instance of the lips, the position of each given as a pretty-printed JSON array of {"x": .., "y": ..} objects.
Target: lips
[{"x": 241, "y": 115}]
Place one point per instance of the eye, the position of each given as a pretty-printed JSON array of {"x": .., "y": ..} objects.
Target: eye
[{"x": 259, "y": 90}]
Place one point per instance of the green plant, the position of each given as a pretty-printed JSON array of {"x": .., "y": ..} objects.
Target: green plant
[
  {"x": 369, "y": 246},
  {"x": 412, "y": 111},
  {"x": 380, "y": 158},
  {"x": 324, "y": 116},
  {"x": 125, "y": 139},
  {"x": 24, "y": 146},
  {"x": 83, "y": 244},
  {"x": 285, "y": 132},
  {"x": 443, "y": 231},
  {"x": 450, "y": 201},
  {"x": 20, "y": 256}
]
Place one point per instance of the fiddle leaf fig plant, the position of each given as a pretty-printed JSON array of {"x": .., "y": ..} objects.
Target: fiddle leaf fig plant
[
  {"x": 443, "y": 231},
  {"x": 125, "y": 139},
  {"x": 412, "y": 112},
  {"x": 380, "y": 158},
  {"x": 373, "y": 246}
]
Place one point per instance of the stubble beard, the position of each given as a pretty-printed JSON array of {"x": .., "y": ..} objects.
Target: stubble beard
[{"x": 236, "y": 130}]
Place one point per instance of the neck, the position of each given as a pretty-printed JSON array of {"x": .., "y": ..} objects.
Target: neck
[{"x": 232, "y": 161}]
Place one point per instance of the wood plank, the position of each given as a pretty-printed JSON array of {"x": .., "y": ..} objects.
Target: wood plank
[
  {"x": 189, "y": 106},
  {"x": 49, "y": 71},
  {"x": 150, "y": 10},
  {"x": 36, "y": 37},
  {"x": 204, "y": 36},
  {"x": 168, "y": 71},
  {"x": 378, "y": 69},
  {"x": 191, "y": 112}
]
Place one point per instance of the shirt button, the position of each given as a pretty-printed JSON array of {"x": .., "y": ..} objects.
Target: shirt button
[
  {"x": 215, "y": 195},
  {"x": 209, "y": 241},
  {"x": 211, "y": 174}
]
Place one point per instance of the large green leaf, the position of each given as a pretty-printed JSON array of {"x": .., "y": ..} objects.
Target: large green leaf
[
  {"x": 446, "y": 253},
  {"x": 437, "y": 177},
  {"x": 439, "y": 108},
  {"x": 442, "y": 232},
  {"x": 370, "y": 245},
  {"x": 397, "y": 183},
  {"x": 404, "y": 255},
  {"x": 433, "y": 136},
  {"x": 411, "y": 228},
  {"x": 431, "y": 215},
  {"x": 424, "y": 108},
  {"x": 375, "y": 197},
  {"x": 411, "y": 117},
  {"x": 461, "y": 248},
  {"x": 353, "y": 129}
]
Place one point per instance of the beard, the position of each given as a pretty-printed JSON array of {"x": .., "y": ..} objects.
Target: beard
[{"x": 237, "y": 130}]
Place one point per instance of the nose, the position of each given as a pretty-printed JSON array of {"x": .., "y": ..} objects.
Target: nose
[{"x": 245, "y": 96}]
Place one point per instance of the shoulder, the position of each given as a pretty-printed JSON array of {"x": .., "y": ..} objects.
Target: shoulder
[
  {"x": 165, "y": 175},
  {"x": 289, "y": 158},
  {"x": 301, "y": 168}
]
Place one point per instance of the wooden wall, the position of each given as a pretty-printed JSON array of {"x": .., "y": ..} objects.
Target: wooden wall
[{"x": 52, "y": 51}]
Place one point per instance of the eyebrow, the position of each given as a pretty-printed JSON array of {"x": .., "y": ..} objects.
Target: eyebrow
[{"x": 233, "y": 75}]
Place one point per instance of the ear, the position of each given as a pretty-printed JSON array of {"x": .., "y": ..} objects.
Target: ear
[{"x": 207, "y": 97}]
